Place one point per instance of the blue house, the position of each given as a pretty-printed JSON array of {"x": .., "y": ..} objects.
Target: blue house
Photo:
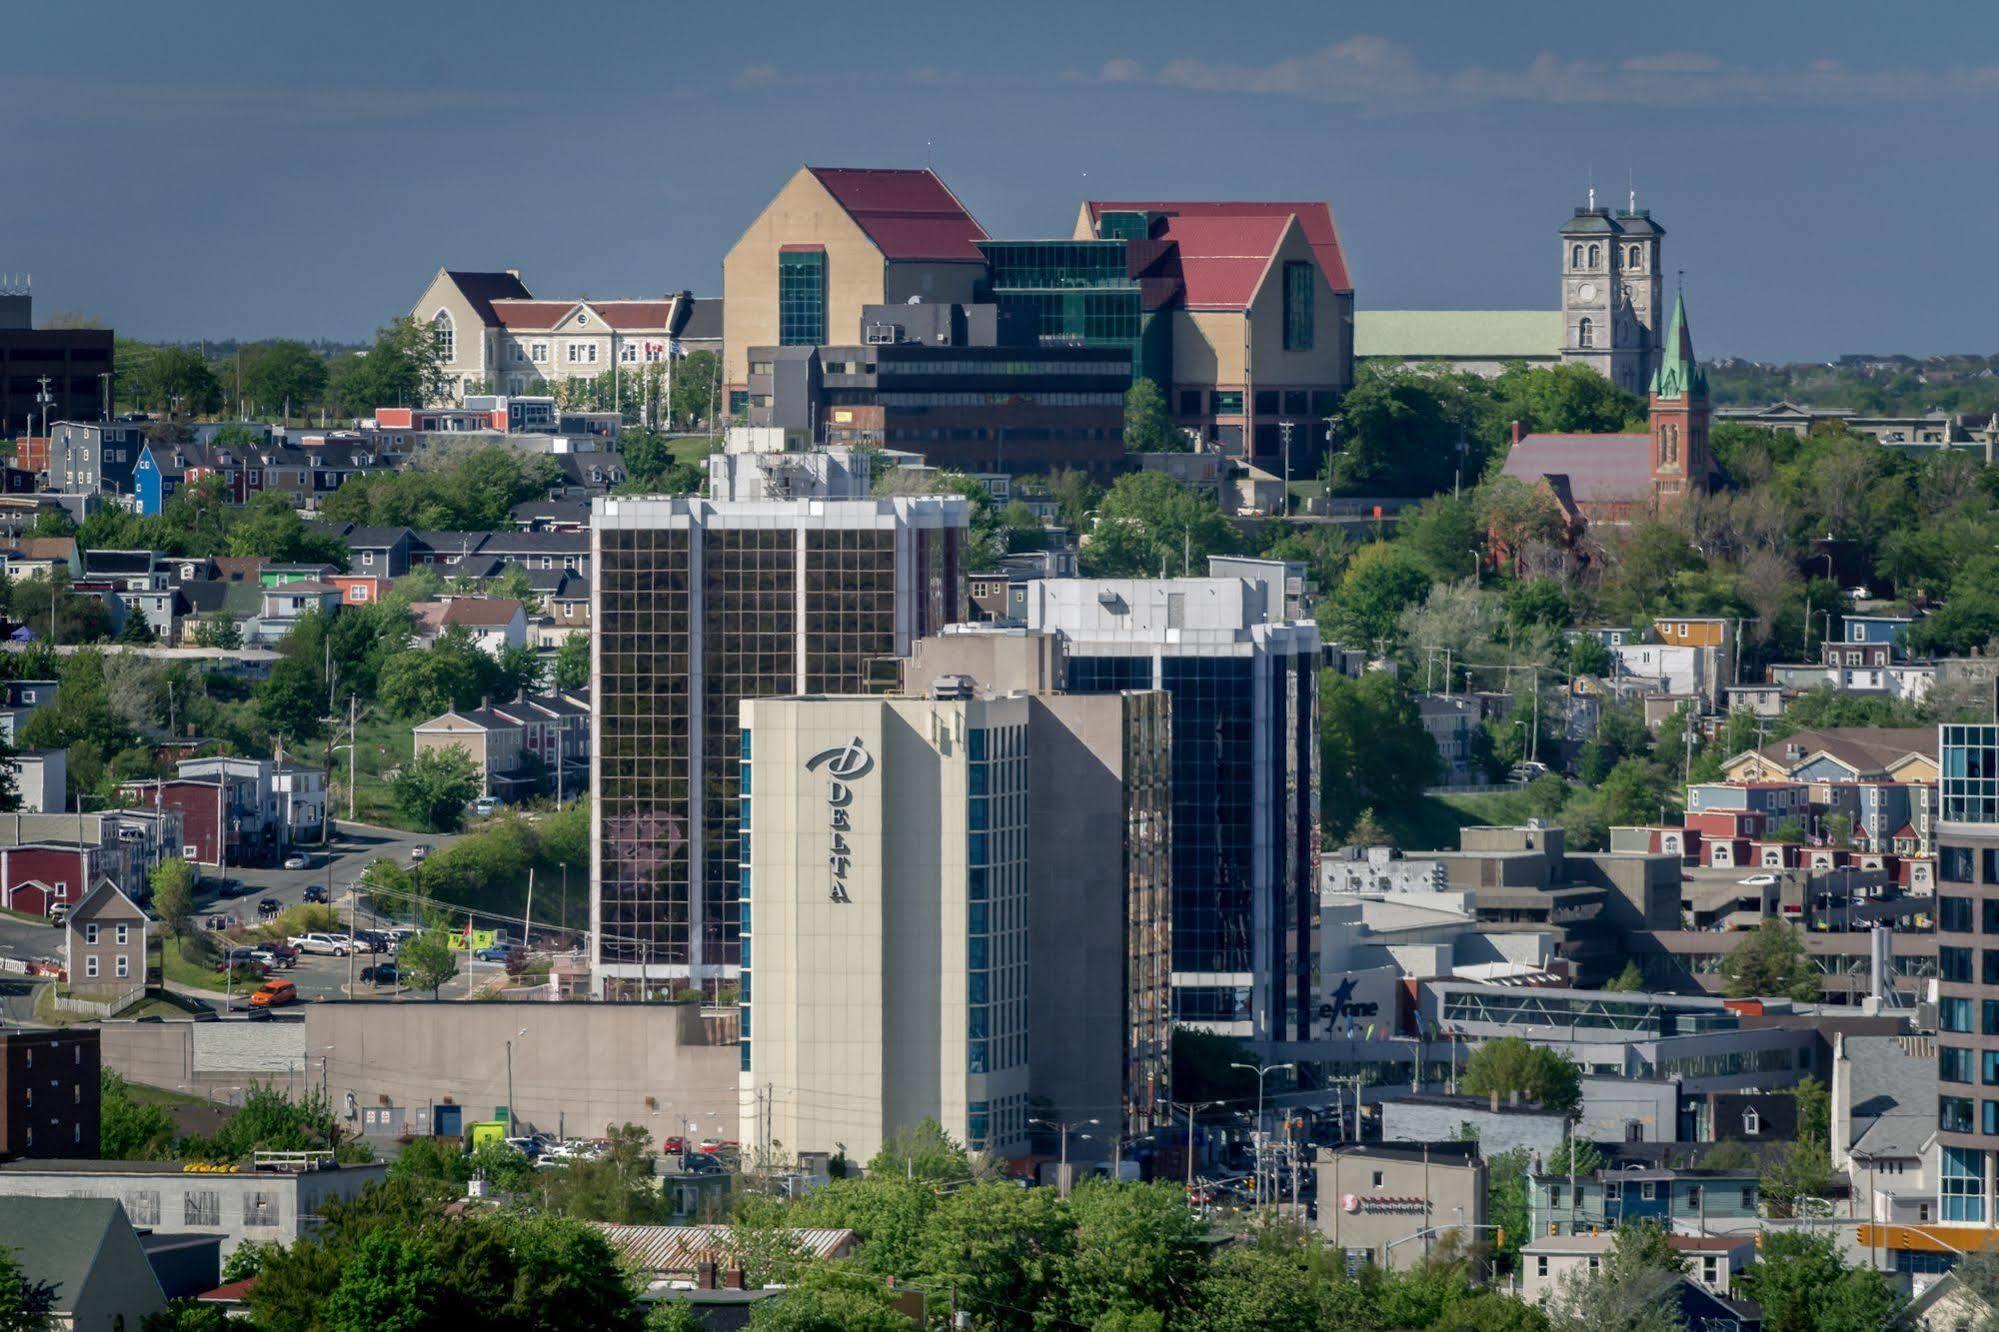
[
  {"x": 1609, "y": 1198},
  {"x": 153, "y": 484},
  {"x": 1889, "y": 629}
]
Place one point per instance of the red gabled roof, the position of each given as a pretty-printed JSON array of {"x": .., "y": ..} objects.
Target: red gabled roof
[
  {"x": 906, "y": 214},
  {"x": 1316, "y": 218},
  {"x": 623, "y": 315},
  {"x": 531, "y": 314}
]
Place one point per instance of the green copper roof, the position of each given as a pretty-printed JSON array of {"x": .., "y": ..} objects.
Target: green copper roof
[
  {"x": 1458, "y": 335},
  {"x": 1679, "y": 373}
]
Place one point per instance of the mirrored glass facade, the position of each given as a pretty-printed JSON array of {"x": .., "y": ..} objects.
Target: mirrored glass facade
[{"x": 700, "y": 605}]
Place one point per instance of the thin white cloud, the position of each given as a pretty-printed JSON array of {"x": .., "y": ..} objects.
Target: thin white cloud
[{"x": 1377, "y": 73}]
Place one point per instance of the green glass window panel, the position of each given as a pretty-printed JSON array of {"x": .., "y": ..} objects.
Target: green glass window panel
[
  {"x": 1298, "y": 307},
  {"x": 1228, "y": 403},
  {"x": 801, "y": 298},
  {"x": 1122, "y": 225}
]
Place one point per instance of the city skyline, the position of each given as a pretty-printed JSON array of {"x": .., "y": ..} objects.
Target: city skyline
[{"x": 299, "y": 174}]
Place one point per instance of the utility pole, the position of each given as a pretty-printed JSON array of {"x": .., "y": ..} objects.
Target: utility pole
[
  {"x": 352, "y": 745},
  {"x": 1284, "y": 429},
  {"x": 1262, "y": 1071}
]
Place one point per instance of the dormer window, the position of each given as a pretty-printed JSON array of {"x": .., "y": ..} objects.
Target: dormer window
[{"x": 1752, "y": 1123}]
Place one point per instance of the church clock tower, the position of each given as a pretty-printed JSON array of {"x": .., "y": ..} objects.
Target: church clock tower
[
  {"x": 1612, "y": 292},
  {"x": 1681, "y": 460}
]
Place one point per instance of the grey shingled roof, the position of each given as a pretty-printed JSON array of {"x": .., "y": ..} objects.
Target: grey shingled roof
[
  {"x": 1894, "y": 1094},
  {"x": 58, "y": 1240}
]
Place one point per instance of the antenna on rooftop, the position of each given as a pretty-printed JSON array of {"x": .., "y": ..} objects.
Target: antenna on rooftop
[
  {"x": 1589, "y": 174},
  {"x": 1631, "y": 179}
]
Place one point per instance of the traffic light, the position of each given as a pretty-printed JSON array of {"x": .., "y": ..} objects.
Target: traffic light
[{"x": 1502, "y": 1236}]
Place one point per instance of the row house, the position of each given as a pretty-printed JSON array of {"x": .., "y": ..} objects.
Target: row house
[
  {"x": 493, "y": 623},
  {"x": 27, "y": 557},
  {"x": 534, "y": 744},
  {"x": 289, "y": 799},
  {"x": 51, "y": 858}
]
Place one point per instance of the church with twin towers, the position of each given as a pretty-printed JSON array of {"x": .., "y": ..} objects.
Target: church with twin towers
[{"x": 1613, "y": 294}]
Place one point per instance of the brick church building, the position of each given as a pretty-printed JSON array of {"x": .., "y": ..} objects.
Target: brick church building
[{"x": 1614, "y": 479}]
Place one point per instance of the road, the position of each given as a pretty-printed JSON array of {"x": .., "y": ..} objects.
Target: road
[{"x": 337, "y": 864}]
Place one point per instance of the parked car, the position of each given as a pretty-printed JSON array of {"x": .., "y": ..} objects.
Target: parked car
[
  {"x": 270, "y": 906},
  {"x": 496, "y": 953},
  {"x": 1758, "y": 881},
  {"x": 315, "y": 893},
  {"x": 419, "y": 853},
  {"x": 216, "y": 924},
  {"x": 339, "y": 945},
  {"x": 697, "y": 1164},
  {"x": 276, "y": 955},
  {"x": 528, "y": 1147},
  {"x": 242, "y": 959},
  {"x": 274, "y": 994},
  {"x": 372, "y": 941},
  {"x": 228, "y": 888},
  {"x": 58, "y": 913},
  {"x": 718, "y": 1146},
  {"x": 380, "y": 973},
  {"x": 298, "y": 861},
  {"x": 485, "y": 805}
]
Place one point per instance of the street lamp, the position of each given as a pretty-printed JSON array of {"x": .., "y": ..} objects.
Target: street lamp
[
  {"x": 1193, "y": 1108},
  {"x": 1064, "y": 1127},
  {"x": 1261, "y": 1071}
]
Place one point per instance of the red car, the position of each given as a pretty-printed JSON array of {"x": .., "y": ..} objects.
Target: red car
[{"x": 674, "y": 1146}]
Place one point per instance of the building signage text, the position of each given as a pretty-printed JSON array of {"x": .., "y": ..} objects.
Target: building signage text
[{"x": 844, "y": 765}]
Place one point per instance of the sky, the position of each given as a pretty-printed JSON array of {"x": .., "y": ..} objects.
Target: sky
[{"x": 221, "y": 169}]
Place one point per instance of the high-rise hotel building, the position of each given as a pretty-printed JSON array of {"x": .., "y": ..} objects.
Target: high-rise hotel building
[
  {"x": 1968, "y": 971},
  {"x": 1244, "y": 685},
  {"x": 954, "y": 909},
  {"x": 699, "y": 604}
]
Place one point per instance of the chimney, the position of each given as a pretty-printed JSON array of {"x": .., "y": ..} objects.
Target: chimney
[
  {"x": 704, "y": 1274},
  {"x": 1516, "y": 432},
  {"x": 733, "y": 1279}
]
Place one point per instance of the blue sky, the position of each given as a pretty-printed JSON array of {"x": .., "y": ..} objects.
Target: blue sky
[{"x": 235, "y": 169}]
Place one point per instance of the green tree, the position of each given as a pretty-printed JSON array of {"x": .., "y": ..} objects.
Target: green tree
[
  {"x": 1373, "y": 750},
  {"x": 1134, "y": 1248},
  {"x": 173, "y": 895},
  {"x": 1629, "y": 981},
  {"x": 1365, "y": 610},
  {"x": 1147, "y": 521},
  {"x": 830, "y": 1298},
  {"x": 1148, "y": 425},
  {"x": 565, "y": 1278},
  {"x": 186, "y": 1315},
  {"x": 286, "y": 373},
  {"x": 1770, "y": 961},
  {"x": 427, "y": 961},
  {"x": 270, "y": 527},
  {"x": 1404, "y": 433},
  {"x": 1632, "y": 1291},
  {"x": 1804, "y": 1286},
  {"x": 433, "y": 788},
  {"x": 1510, "y": 1064},
  {"x": 25, "y": 1305},
  {"x": 1444, "y": 533},
  {"x": 922, "y": 1151},
  {"x": 175, "y": 379},
  {"x": 128, "y": 1130},
  {"x": 572, "y": 662},
  {"x": 402, "y": 368},
  {"x": 1506, "y": 1199},
  {"x": 1002, "y": 1248},
  {"x": 696, "y": 394}
]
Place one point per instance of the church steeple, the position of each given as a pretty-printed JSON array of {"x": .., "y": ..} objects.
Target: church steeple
[
  {"x": 1679, "y": 374},
  {"x": 1680, "y": 457}
]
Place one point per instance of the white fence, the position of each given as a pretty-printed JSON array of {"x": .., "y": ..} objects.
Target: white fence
[{"x": 104, "y": 1007}]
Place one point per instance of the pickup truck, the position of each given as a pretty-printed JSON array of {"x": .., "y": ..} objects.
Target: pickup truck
[{"x": 339, "y": 945}]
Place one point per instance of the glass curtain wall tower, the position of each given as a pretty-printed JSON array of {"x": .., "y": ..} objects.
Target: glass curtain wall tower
[{"x": 697, "y": 605}]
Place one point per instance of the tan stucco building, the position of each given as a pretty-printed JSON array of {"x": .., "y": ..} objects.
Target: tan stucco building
[
  {"x": 913, "y": 949},
  {"x": 835, "y": 240},
  {"x": 1391, "y": 1204},
  {"x": 1261, "y": 310}
]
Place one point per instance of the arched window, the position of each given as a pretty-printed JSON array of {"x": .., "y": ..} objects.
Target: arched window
[
  {"x": 446, "y": 332},
  {"x": 1586, "y": 332},
  {"x": 1576, "y": 257},
  {"x": 1595, "y": 256},
  {"x": 1635, "y": 257}
]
